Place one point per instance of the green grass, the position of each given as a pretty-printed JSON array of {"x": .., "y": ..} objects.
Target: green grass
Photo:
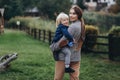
[{"x": 35, "y": 61}]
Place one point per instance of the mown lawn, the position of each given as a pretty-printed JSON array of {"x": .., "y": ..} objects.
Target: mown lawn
[{"x": 35, "y": 61}]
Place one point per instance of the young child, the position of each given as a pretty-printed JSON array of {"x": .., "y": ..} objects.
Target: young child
[{"x": 62, "y": 24}]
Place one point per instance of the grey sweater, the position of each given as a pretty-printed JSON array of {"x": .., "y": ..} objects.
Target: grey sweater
[{"x": 75, "y": 30}]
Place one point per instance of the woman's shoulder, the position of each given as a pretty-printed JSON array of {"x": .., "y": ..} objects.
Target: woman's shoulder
[{"x": 76, "y": 24}]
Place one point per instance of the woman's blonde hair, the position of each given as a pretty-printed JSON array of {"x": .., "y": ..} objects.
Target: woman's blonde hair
[{"x": 61, "y": 16}]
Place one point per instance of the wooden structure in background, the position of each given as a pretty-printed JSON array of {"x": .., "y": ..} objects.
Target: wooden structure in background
[{"x": 1, "y": 20}]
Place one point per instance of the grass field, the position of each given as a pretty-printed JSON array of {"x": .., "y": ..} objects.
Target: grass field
[{"x": 35, "y": 61}]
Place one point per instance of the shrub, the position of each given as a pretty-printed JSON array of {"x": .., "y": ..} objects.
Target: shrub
[
  {"x": 102, "y": 20},
  {"x": 90, "y": 29},
  {"x": 115, "y": 31},
  {"x": 90, "y": 18},
  {"x": 89, "y": 40},
  {"x": 105, "y": 21}
]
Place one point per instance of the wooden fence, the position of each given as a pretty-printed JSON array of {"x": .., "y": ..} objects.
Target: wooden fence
[
  {"x": 43, "y": 35},
  {"x": 47, "y": 36},
  {"x": 98, "y": 43}
]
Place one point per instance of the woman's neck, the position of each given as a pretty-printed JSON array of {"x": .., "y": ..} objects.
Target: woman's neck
[{"x": 75, "y": 21}]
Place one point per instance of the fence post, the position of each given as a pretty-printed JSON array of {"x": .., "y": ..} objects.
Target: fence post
[
  {"x": 31, "y": 31},
  {"x": 39, "y": 34},
  {"x": 24, "y": 28},
  {"x": 35, "y": 33},
  {"x": 28, "y": 30},
  {"x": 44, "y": 35},
  {"x": 111, "y": 57},
  {"x": 50, "y": 37}
]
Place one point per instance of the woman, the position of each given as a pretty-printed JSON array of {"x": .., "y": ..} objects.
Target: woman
[{"x": 77, "y": 30}]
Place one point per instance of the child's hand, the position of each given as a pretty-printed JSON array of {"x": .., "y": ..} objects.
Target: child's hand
[{"x": 70, "y": 44}]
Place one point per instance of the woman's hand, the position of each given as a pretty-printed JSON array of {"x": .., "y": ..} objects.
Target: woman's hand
[{"x": 74, "y": 41}]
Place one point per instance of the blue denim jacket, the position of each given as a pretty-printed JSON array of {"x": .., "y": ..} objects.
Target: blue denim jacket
[{"x": 62, "y": 31}]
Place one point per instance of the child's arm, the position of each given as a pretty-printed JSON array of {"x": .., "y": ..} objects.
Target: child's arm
[{"x": 67, "y": 34}]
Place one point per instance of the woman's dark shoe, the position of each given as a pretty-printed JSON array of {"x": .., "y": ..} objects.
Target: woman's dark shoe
[{"x": 69, "y": 70}]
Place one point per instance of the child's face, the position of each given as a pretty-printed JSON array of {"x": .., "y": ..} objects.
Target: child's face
[{"x": 65, "y": 22}]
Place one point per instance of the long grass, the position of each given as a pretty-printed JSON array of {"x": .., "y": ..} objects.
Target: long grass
[
  {"x": 35, "y": 61},
  {"x": 32, "y": 22}
]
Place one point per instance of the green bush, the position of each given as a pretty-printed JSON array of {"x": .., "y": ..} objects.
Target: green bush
[
  {"x": 90, "y": 29},
  {"x": 115, "y": 31},
  {"x": 105, "y": 21},
  {"x": 102, "y": 20},
  {"x": 89, "y": 40},
  {"x": 90, "y": 18}
]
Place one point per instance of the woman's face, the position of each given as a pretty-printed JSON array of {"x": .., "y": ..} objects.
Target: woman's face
[{"x": 73, "y": 16}]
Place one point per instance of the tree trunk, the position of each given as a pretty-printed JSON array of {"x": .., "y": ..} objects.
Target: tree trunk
[{"x": 6, "y": 59}]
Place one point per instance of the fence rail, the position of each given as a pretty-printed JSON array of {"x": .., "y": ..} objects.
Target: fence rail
[
  {"x": 47, "y": 36},
  {"x": 39, "y": 34},
  {"x": 89, "y": 40}
]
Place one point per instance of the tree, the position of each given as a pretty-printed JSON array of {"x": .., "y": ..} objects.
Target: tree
[
  {"x": 12, "y": 8},
  {"x": 115, "y": 8},
  {"x": 46, "y": 7},
  {"x": 6, "y": 59},
  {"x": 50, "y": 8},
  {"x": 118, "y": 2},
  {"x": 28, "y": 4},
  {"x": 81, "y": 4}
]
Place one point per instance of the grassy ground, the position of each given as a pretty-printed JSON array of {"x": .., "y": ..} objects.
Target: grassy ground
[{"x": 35, "y": 61}]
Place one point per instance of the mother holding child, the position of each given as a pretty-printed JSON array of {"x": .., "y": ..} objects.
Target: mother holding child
[{"x": 67, "y": 42}]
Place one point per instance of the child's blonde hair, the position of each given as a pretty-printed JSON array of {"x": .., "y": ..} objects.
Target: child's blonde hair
[{"x": 61, "y": 16}]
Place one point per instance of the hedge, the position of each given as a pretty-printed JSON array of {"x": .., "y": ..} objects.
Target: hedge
[
  {"x": 103, "y": 20},
  {"x": 90, "y": 42}
]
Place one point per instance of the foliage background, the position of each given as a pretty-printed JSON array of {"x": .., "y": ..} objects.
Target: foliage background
[{"x": 48, "y": 8}]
